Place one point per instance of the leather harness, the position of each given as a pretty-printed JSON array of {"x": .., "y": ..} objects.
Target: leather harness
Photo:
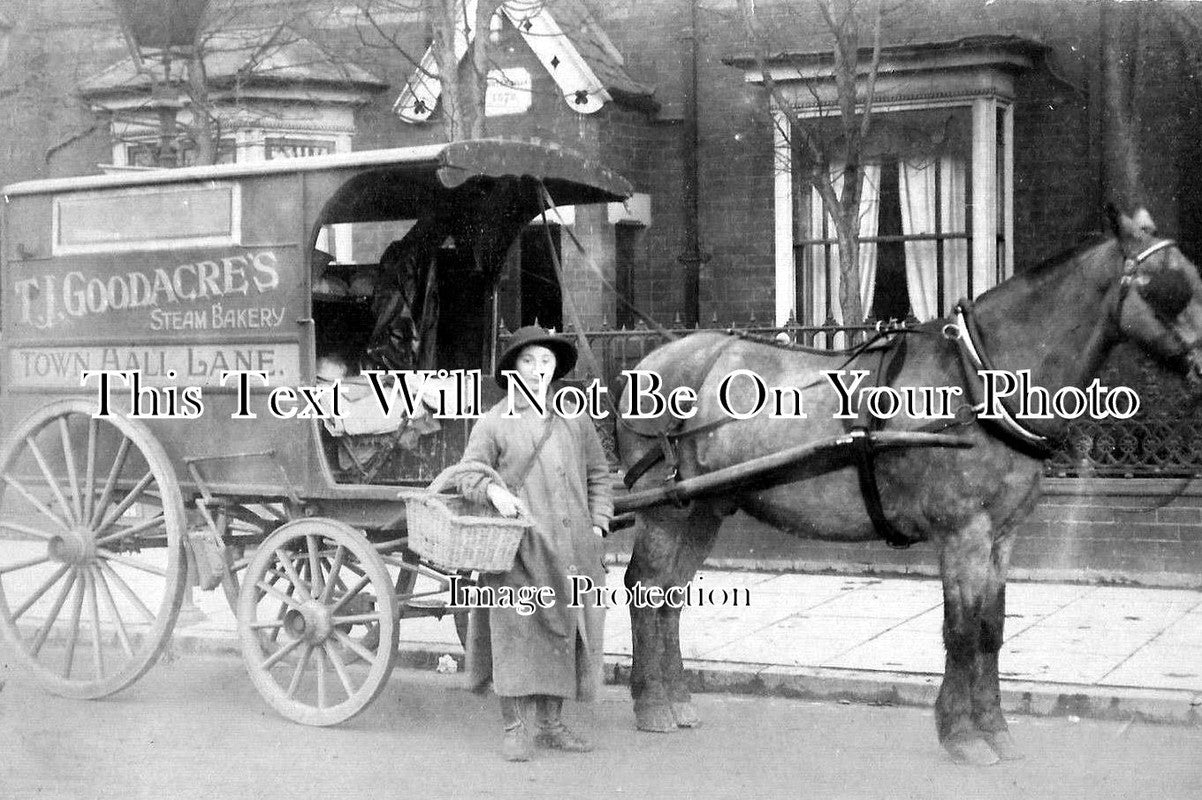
[{"x": 965, "y": 333}]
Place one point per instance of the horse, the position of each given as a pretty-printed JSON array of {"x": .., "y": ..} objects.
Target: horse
[{"x": 1059, "y": 320}]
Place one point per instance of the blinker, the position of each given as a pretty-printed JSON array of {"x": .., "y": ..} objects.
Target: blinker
[{"x": 1166, "y": 291}]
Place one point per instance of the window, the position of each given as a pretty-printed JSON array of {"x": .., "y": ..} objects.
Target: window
[
  {"x": 146, "y": 153},
  {"x": 936, "y": 212},
  {"x": 915, "y": 232},
  {"x": 286, "y": 147},
  {"x": 914, "y": 225},
  {"x": 147, "y": 219}
]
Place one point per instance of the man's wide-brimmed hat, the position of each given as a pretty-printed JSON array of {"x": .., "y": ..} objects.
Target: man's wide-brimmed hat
[{"x": 564, "y": 350}]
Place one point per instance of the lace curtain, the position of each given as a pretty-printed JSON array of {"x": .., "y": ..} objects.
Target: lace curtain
[
  {"x": 921, "y": 207},
  {"x": 824, "y": 273}
]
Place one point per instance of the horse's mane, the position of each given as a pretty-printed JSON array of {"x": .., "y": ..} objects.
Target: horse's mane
[{"x": 1068, "y": 254}]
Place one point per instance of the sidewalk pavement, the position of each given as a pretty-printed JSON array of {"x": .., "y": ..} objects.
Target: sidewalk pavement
[{"x": 1078, "y": 650}]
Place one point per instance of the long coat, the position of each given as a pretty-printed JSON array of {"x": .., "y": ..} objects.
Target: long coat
[{"x": 556, "y": 650}]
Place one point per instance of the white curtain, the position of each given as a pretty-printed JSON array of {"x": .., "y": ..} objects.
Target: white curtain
[
  {"x": 916, "y": 184},
  {"x": 822, "y": 226},
  {"x": 954, "y": 211}
]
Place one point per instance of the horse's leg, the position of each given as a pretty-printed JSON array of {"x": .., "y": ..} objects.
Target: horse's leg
[
  {"x": 667, "y": 552},
  {"x": 702, "y": 529},
  {"x": 986, "y": 693},
  {"x": 651, "y": 708},
  {"x": 965, "y": 564}
]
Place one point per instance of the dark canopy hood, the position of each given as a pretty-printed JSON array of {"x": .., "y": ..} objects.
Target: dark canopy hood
[{"x": 463, "y": 171}]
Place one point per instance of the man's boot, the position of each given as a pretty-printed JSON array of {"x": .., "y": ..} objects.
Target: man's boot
[
  {"x": 552, "y": 732},
  {"x": 518, "y": 744}
]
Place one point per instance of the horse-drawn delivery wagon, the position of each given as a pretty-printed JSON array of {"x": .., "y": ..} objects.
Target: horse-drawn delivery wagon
[{"x": 215, "y": 303}]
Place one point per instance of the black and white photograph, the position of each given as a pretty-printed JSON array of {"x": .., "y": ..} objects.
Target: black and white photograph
[{"x": 600, "y": 398}]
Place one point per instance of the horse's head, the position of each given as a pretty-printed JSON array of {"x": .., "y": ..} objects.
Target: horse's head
[{"x": 1159, "y": 302}]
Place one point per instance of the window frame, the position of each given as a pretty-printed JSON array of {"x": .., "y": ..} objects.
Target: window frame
[
  {"x": 979, "y": 76},
  {"x": 232, "y": 237}
]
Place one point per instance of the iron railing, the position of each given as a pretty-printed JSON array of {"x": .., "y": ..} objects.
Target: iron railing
[{"x": 1163, "y": 440}]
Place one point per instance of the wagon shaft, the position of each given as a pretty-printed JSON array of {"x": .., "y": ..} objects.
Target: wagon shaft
[{"x": 729, "y": 478}]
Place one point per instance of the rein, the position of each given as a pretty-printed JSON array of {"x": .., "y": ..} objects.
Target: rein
[{"x": 966, "y": 333}]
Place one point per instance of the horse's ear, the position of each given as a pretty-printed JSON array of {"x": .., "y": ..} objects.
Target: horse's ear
[{"x": 1138, "y": 225}]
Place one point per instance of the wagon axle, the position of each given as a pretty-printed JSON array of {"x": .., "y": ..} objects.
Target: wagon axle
[
  {"x": 313, "y": 622},
  {"x": 74, "y": 547}
]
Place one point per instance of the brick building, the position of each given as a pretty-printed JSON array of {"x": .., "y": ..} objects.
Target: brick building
[{"x": 990, "y": 126}]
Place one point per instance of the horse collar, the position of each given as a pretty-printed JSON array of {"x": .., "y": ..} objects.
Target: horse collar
[{"x": 965, "y": 334}]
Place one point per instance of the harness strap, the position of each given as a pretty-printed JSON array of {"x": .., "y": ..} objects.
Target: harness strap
[
  {"x": 667, "y": 439},
  {"x": 972, "y": 360},
  {"x": 863, "y": 455},
  {"x": 863, "y": 450}
]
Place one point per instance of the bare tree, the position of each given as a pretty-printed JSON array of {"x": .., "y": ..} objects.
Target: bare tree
[
  {"x": 459, "y": 42},
  {"x": 1119, "y": 65},
  {"x": 173, "y": 61},
  {"x": 855, "y": 30}
]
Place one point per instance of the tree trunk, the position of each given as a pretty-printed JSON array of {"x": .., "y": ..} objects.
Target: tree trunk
[
  {"x": 463, "y": 83},
  {"x": 1120, "y": 122},
  {"x": 202, "y": 116}
]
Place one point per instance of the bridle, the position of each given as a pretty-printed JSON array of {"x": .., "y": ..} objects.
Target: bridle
[
  {"x": 965, "y": 332},
  {"x": 1131, "y": 270}
]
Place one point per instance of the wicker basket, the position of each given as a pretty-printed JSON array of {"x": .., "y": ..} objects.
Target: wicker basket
[{"x": 454, "y": 533}]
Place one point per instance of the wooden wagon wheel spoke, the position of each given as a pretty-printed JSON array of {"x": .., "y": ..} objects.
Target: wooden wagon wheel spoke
[
  {"x": 282, "y": 653},
  {"x": 355, "y": 647},
  {"x": 110, "y": 605},
  {"x": 294, "y": 576},
  {"x": 89, "y": 478},
  {"x": 132, "y": 563},
  {"x": 40, "y": 591},
  {"x": 335, "y": 568},
  {"x": 299, "y": 671},
  {"x": 125, "y": 504},
  {"x": 356, "y": 619},
  {"x": 268, "y": 624},
  {"x": 44, "y": 631},
  {"x": 129, "y": 593},
  {"x": 48, "y": 475},
  {"x": 85, "y": 544},
  {"x": 27, "y": 563},
  {"x": 72, "y": 475},
  {"x": 37, "y": 533},
  {"x": 315, "y": 555},
  {"x": 350, "y": 594},
  {"x": 157, "y": 521},
  {"x": 73, "y": 627},
  {"x": 287, "y": 600},
  {"x": 279, "y": 614},
  {"x": 106, "y": 495},
  {"x": 323, "y": 700},
  {"x": 97, "y": 632},
  {"x": 339, "y": 667},
  {"x": 34, "y": 501},
  {"x": 315, "y": 576}
]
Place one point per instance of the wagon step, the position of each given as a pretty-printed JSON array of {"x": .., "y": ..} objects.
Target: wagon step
[{"x": 746, "y": 472}]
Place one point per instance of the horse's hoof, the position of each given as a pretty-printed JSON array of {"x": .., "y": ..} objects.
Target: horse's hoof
[
  {"x": 685, "y": 715},
  {"x": 974, "y": 752},
  {"x": 1003, "y": 744},
  {"x": 655, "y": 719}
]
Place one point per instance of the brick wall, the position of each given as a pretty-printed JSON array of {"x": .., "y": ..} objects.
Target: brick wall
[
  {"x": 1059, "y": 197},
  {"x": 1141, "y": 531}
]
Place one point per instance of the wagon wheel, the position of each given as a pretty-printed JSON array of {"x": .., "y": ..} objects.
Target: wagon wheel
[
  {"x": 406, "y": 587},
  {"x": 258, "y": 521},
  {"x": 309, "y": 592},
  {"x": 82, "y": 605}
]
